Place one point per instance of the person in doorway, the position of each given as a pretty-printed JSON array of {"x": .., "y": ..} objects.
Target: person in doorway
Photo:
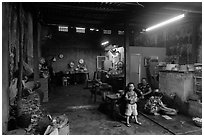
[{"x": 131, "y": 106}]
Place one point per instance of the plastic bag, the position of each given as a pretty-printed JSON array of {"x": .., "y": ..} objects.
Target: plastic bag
[
  {"x": 54, "y": 132},
  {"x": 59, "y": 126}
]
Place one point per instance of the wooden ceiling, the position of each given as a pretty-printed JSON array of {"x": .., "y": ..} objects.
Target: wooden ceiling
[{"x": 111, "y": 14}]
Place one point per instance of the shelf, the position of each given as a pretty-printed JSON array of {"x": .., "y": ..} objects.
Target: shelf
[
  {"x": 199, "y": 77},
  {"x": 197, "y": 64},
  {"x": 199, "y": 91},
  {"x": 198, "y": 84}
]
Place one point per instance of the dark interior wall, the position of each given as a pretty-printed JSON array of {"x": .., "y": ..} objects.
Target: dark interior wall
[
  {"x": 199, "y": 43},
  {"x": 182, "y": 44},
  {"x": 180, "y": 40},
  {"x": 75, "y": 46}
]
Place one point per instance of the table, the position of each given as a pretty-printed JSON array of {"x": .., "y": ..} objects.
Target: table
[
  {"x": 81, "y": 77},
  {"x": 77, "y": 77},
  {"x": 117, "y": 83},
  {"x": 113, "y": 98}
]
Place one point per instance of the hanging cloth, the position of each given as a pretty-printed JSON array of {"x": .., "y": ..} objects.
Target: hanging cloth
[
  {"x": 13, "y": 90},
  {"x": 27, "y": 69}
]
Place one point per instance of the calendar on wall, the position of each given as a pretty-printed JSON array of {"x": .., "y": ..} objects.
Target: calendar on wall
[{"x": 100, "y": 62}]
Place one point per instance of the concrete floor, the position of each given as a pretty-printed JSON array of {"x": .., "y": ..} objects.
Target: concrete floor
[{"x": 86, "y": 119}]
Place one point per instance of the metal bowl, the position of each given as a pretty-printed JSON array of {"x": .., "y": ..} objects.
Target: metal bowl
[{"x": 197, "y": 122}]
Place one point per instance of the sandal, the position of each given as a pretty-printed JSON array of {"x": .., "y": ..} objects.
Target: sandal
[
  {"x": 138, "y": 123},
  {"x": 128, "y": 125}
]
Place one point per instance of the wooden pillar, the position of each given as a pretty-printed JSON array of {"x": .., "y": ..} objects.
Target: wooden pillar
[
  {"x": 5, "y": 67},
  {"x": 36, "y": 36},
  {"x": 39, "y": 40},
  {"x": 21, "y": 38},
  {"x": 30, "y": 40},
  {"x": 127, "y": 53}
]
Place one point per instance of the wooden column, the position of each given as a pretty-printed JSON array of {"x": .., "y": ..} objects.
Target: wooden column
[
  {"x": 127, "y": 53},
  {"x": 21, "y": 38},
  {"x": 36, "y": 32},
  {"x": 39, "y": 40}
]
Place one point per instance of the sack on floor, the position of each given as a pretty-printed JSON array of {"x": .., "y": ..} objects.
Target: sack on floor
[
  {"x": 60, "y": 126},
  {"x": 54, "y": 132}
]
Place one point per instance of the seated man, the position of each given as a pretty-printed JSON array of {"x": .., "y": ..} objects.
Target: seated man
[
  {"x": 145, "y": 89},
  {"x": 144, "y": 94}
]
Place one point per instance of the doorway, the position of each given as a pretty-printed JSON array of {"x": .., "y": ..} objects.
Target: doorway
[{"x": 135, "y": 68}]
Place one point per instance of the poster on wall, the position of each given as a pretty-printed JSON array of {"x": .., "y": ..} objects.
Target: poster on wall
[{"x": 100, "y": 62}]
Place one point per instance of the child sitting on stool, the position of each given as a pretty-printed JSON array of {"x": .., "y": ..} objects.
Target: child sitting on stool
[{"x": 131, "y": 106}]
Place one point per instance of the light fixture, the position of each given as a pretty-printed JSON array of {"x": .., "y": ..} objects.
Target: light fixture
[
  {"x": 165, "y": 22},
  {"x": 104, "y": 43},
  {"x": 91, "y": 29}
]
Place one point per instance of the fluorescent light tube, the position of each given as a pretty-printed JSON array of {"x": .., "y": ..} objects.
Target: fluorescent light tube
[
  {"x": 165, "y": 22},
  {"x": 104, "y": 43}
]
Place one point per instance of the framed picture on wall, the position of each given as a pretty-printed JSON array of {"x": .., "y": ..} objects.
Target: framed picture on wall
[{"x": 146, "y": 61}]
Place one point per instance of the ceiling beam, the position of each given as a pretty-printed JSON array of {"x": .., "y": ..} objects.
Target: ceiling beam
[
  {"x": 183, "y": 10},
  {"x": 78, "y": 8},
  {"x": 83, "y": 23}
]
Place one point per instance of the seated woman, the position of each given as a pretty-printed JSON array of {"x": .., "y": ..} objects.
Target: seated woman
[{"x": 154, "y": 105}]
